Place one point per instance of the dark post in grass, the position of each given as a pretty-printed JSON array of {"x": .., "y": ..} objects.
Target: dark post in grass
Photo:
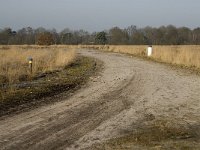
[{"x": 30, "y": 61}]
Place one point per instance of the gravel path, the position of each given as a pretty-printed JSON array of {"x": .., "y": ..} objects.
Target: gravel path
[{"x": 127, "y": 91}]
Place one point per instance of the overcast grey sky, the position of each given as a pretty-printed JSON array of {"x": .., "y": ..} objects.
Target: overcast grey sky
[{"x": 96, "y": 15}]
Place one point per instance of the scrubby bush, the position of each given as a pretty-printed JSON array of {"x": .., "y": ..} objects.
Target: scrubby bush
[{"x": 45, "y": 39}]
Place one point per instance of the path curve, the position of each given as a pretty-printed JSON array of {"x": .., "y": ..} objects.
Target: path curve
[{"x": 127, "y": 90}]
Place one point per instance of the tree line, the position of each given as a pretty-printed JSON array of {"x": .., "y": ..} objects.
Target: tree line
[{"x": 164, "y": 35}]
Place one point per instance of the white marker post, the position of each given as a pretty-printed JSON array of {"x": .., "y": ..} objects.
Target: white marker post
[{"x": 149, "y": 51}]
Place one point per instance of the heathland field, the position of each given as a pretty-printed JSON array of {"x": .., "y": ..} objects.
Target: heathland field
[{"x": 14, "y": 63}]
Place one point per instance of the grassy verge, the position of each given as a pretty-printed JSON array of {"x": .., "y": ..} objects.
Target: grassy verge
[
  {"x": 182, "y": 56},
  {"x": 30, "y": 94}
]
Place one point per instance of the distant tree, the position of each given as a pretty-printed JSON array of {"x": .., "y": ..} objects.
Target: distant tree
[
  {"x": 139, "y": 38},
  {"x": 56, "y": 36},
  {"x": 101, "y": 38},
  {"x": 84, "y": 36},
  {"x": 5, "y": 36},
  {"x": 184, "y": 35},
  {"x": 196, "y": 36},
  {"x": 13, "y": 39},
  {"x": 131, "y": 30},
  {"x": 171, "y": 35},
  {"x": 45, "y": 39},
  {"x": 26, "y": 35},
  {"x": 40, "y": 30},
  {"x": 118, "y": 36},
  {"x": 75, "y": 38},
  {"x": 158, "y": 36},
  {"x": 164, "y": 35},
  {"x": 92, "y": 37},
  {"x": 149, "y": 35},
  {"x": 66, "y": 38}
]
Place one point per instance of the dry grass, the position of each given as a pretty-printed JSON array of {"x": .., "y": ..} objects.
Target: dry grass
[
  {"x": 14, "y": 65},
  {"x": 186, "y": 55},
  {"x": 181, "y": 55}
]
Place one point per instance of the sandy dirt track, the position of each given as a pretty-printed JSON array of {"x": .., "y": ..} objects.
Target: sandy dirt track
[{"x": 128, "y": 91}]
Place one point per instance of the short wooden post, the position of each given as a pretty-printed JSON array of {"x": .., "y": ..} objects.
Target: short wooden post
[{"x": 30, "y": 61}]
